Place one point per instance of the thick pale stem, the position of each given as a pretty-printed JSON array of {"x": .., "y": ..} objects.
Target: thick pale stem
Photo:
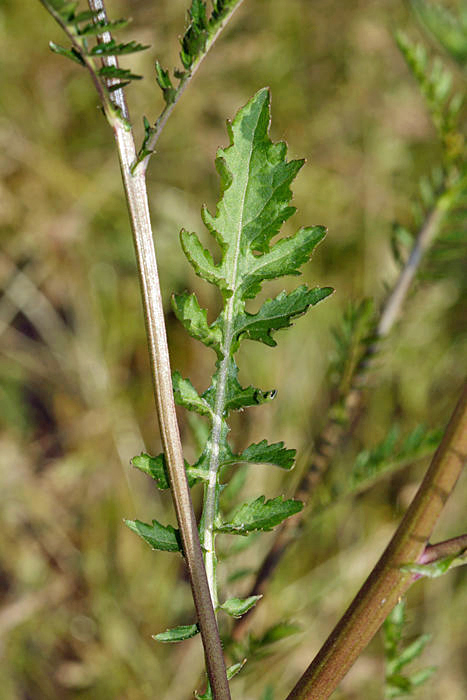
[{"x": 388, "y": 582}]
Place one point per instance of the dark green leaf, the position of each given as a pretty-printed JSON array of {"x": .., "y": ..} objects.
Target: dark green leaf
[
  {"x": 163, "y": 537},
  {"x": 111, "y": 48},
  {"x": 118, "y": 73},
  {"x": 260, "y": 515},
  {"x": 154, "y": 466},
  {"x": 236, "y": 607},
  {"x": 194, "y": 319},
  {"x": 68, "y": 53},
  {"x": 187, "y": 396},
  {"x": 278, "y": 313},
  {"x": 102, "y": 26},
  {"x": 263, "y": 453}
]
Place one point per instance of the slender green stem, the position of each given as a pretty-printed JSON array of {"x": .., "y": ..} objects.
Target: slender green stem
[
  {"x": 388, "y": 582},
  {"x": 210, "y": 508},
  {"x": 183, "y": 84}
]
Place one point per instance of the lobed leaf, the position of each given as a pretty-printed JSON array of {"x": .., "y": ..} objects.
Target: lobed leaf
[
  {"x": 102, "y": 26},
  {"x": 201, "y": 260},
  {"x": 72, "y": 53},
  {"x": 187, "y": 396},
  {"x": 263, "y": 453},
  {"x": 110, "y": 72},
  {"x": 162, "y": 537},
  {"x": 278, "y": 313},
  {"x": 194, "y": 320},
  {"x": 156, "y": 468},
  {"x": 111, "y": 48},
  {"x": 237, "y": 397},
  {"x": 260, "y": 515}
]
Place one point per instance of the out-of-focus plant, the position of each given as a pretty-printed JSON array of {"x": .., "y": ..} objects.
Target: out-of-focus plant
[
  {"x": 397, "y": 656},
  {"x": 254, "y": 202}
]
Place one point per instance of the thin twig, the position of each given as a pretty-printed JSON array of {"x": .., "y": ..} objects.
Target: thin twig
[
  {"x": 183, "y": 84},
  {"x": 136, "y": 194},
  {"x": 388, "y": 581},
  {"x": 334, "y": 431}
]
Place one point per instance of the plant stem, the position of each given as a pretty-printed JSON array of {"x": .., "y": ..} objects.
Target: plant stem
[
  {"x": 456, "y": 546},
  {"x": 211, "y": 500},
  {"x": 387, "y": 582},
  {"x": 137, "y": 200}
]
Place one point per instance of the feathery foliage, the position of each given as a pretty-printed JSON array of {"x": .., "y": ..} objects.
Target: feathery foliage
[
  {"x": 397, "y": 683},
  {"x": 201, "y": 32},
  {"x": 441, "y": 23},
  {"x": 82, "y": 29},
  {"x": 435, "y": 82},
  {"x": 255, "y": 201},
  {"x": 393, "y": 453}
]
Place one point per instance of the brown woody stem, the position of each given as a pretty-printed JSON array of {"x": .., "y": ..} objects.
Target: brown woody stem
[{"x": 387, "y": 582}]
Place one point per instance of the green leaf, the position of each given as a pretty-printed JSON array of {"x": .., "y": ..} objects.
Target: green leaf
[
  {"x": 163, "y": 537},
  {"x": 435, "y": 568},
  {"x": 236, "y": 607},
  {"x": 201, "y": 259},
  {"x": 231, "y": 672},
  {"x": 254, "y": 202},
  {"x": 260, "y": 515},
  {"x": 263, "y": 453},
  {"x": 154, "y": 466},
  {"x": 68, "y": 53},
  {"x": 205, "y": 696},
  {"x": 277, "y": 313},
  {"x": 187, "y": 396},
  {"x": 397, "y": 684},
  {"x": 165, "y": 83},
  {"x": 102, "y": 26},
  {"x": 409, "y": 653},
  {"x": 177, "y": 634},
  {"x": 236, "y": 397},
  {"x": 284, "y": 258},
  {"x": 111, "y": 48},
  {"x": 109, "y": 72},
  {"x": 194, "y": 319}
]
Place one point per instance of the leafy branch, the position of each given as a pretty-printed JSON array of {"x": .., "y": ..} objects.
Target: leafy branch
[
  {"x": 397, "y": 683},
  {"x": 85, "y": 28},
  {"x": 255, "y": 196},
  {"x": 199, "y": 37}
]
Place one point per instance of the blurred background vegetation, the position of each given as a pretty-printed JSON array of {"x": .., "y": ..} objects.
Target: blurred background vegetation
[{"x": 80, "y": 594}]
